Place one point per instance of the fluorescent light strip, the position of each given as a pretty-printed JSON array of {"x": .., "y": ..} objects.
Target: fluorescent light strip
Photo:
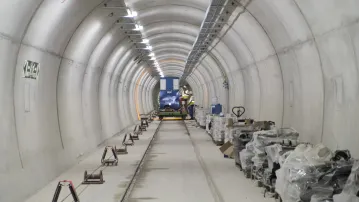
[{"x": 138, "y": 27}]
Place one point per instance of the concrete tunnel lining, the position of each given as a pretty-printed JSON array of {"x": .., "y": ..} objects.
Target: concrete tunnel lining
[{"x": 284, "y": 61}]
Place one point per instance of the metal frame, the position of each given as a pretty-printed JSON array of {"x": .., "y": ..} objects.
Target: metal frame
[
  {"x": 217, "y": 15},
  {"x": 128, "y": 26}
]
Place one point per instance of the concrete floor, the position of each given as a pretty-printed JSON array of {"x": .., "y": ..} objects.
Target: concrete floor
[
  {"x": 116, "y": 178},
  {"x": 171, "y": 171},
  {"x": 192, "y": 169},
  {"x": 178, "y": 167}
]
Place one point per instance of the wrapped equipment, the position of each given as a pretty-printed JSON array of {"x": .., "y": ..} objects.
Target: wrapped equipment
[
  {"x": 350, "y": 191},
  {"x": 301, "y": 169}
]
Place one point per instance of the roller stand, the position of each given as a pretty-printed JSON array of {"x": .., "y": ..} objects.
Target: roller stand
[
  {"x": 137, "y": 130},
  {"x": 110, "y": 161},
  {"x": 122, "y": 150},
  {"x": 93, "y": 178},
  {"x": 144, "y": 123},
  {"x": 128, "y": 140},
  {"x": 71, "y": 188}
]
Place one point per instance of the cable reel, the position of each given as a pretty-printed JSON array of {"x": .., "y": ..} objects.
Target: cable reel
[{"x": 93, "y": 178}]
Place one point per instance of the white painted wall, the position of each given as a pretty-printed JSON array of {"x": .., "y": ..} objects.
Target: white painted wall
[{"x": 291, "y": 61}]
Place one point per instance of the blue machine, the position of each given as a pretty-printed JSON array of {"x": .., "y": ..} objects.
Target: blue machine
[
  {"x": 216, "y": 109},
  {"x": 169, "y": 93}
]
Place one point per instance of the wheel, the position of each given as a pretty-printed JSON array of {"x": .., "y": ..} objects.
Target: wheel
[{"x": 161, "y": 118}]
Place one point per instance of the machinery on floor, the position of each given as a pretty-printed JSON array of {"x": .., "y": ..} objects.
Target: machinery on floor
[
  {"x": 70, "y": 185},
  {"x": 171, "y": 103},
  {"x": 109, "y": 158},
  {"x": 93, "y": 178},
  {"x": 126, "y": 141},
  {"x": 286, "y": 168},
  {"x": 112, "y": 160},
  {"x": 144, "y": 122}
]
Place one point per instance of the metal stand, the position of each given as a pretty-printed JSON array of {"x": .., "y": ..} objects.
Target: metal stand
[
  {"x": 144, "y": 123},
  {"x": 125, "y": 142},
  {"x": 122, "y": 150},
  {"x": 71, "y": 188},
  {"x": 109, "y": 161},
  {"x": 93, "y": 178},
  {"x": 135, "y": 136},
  {"x": 137, "y": 130}
]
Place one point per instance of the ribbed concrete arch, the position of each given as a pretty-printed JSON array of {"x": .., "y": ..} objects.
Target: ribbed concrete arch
[
  {"x": 292, "y": 61},
  {"x": 176, "y": 27},
  {"x": 170, "y": 13}
]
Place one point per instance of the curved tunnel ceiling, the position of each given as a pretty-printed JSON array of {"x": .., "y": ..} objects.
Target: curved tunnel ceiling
[{"x": 292, "y": 61}]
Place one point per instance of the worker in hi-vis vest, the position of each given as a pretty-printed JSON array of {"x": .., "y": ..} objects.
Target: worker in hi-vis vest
[{"x": 191, "y": 109}]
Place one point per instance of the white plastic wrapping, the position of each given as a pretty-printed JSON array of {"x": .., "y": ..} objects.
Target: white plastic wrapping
[
  {"x": 218, "y": 128},
  {"x": 262, "y": 139},
  {"x": 351, "y": 188},
  {"x": 246, "y": 156},
  {"x": 200, "y": 115},
  {"x": 321, "y": 198},
  {"x": 299, "y": 170},
  {"x": 273, "y": 154}
]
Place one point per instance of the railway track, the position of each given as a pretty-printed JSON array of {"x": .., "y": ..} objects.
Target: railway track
[{"x": 217, "y": 197}]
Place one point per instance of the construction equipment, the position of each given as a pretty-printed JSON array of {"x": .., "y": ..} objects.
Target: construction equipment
[
  {"x": 93, "y": 178},
  {"x": 128, "y": 137},
  {"x": 112, "y": 160},
  {"x": 121, "y": 150},
  {"x": 144, "y": 122},
  {"x": 171, "y": 105},
  {"x": 238, "y": 112},
  {"x": 71, "y": 187},
  {"x": 137, "y": 130},
  {"x": 134, "y": 136}
]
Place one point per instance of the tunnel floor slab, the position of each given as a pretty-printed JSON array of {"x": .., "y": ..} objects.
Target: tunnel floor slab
[{"x": 116, "y": 178}]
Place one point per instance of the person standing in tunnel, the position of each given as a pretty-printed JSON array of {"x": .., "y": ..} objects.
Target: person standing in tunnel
[{"x": 191, "y": 109}]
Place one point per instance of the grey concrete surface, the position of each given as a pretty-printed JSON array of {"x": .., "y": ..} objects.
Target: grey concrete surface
[
  {"x": 294, "y": 62},
  {"x": 191, "y": 168},
  {"x": 116, "y": 178},
  {"x": 172, "y": 172},
  {"x": 228, "y": 179}
]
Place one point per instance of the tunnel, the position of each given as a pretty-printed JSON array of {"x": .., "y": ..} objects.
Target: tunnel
[{"x": 73, "y": 79}]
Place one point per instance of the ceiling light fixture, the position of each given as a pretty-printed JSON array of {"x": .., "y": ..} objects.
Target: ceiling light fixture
[
  {"x": 146, "y": 41},
  {"x": 138, "y": 27},
  {"x": 131, "y": 14}
]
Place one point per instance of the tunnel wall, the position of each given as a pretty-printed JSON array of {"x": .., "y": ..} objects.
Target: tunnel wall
[
  {"x": 291, "y": 61},
  {"x": 49, "y": 123},
  {"x": 296, "y": 64}
]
